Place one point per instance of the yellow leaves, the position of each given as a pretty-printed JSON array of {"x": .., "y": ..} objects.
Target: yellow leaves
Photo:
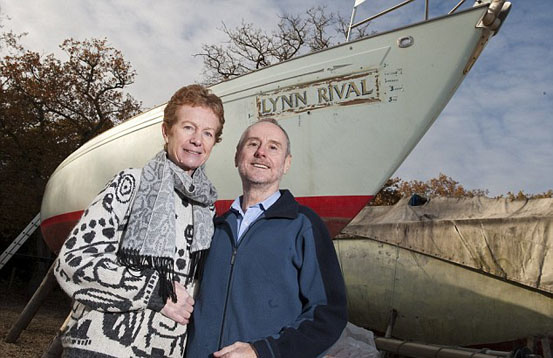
[
  {"x": 442, "y": 186},
  {"x": 522, "y": 196}
]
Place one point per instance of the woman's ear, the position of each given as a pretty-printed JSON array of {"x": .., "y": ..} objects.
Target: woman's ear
[{"x": 164, "y": 132}]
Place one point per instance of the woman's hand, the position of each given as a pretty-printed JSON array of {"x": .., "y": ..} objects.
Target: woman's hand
[{"x": 181, "y": 310}]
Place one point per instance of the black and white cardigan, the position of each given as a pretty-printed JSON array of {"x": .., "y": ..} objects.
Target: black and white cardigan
[{"x": 116, "y": 310}]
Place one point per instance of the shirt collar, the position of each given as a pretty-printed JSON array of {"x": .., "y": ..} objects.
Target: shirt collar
[{"x": 264, "y": 205}]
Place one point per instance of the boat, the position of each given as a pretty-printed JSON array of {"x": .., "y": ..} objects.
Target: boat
[
  {"x": 467, "y": 271},
  {"x": 353, "y": 113}
]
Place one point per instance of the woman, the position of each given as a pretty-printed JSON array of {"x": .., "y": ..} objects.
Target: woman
[{"x": 130, "y": 262}]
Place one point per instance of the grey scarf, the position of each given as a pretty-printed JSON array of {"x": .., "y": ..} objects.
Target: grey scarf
[{"x": 150, "y": 234}]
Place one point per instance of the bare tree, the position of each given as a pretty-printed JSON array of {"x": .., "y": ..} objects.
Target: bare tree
[
  {"x": 249, "y": 48},
  {"x": 342, "y": 25},
  {"x": 319, "y": 22}
]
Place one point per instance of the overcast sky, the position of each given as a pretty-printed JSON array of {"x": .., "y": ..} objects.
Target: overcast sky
[{"x": 496, "y": 133}]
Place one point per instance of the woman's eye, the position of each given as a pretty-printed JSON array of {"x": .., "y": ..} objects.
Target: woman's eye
[{"x": 209, "y": 134}]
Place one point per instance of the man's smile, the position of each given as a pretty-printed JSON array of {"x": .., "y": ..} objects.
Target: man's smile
[{"x": 259, "y": 165}]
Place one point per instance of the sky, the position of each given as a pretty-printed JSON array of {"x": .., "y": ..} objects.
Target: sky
[{"x": 496, "y": 133}]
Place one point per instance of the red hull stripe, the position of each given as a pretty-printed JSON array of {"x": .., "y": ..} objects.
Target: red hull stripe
[
  {"x": 345, "y": 207},
  {"x": 336, "y": 211},
  {"x": 74, "y": 216}
]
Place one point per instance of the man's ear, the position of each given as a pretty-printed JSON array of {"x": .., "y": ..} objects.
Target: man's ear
[{"x": 287, "y": 163}]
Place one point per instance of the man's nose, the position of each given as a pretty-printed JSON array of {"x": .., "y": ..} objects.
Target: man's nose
[{"x": 260, "y": 152}]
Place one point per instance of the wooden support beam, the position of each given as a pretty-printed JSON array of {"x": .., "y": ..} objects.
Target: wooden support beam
[
  {"x": 55, "y": 348},
  {"x": 546, "y": 347},
  {"x": 420, "y": 350},
  {"x": 32, "y": 307}
]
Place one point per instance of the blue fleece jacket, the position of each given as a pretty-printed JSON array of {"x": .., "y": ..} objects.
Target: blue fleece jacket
[{"x": 280, "y": 288}]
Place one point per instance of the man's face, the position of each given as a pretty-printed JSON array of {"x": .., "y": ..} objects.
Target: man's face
[
  {"x": 262, "y": 158},
  {"x": 191, "y": 138}
]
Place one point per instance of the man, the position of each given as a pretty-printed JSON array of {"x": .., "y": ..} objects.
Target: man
[{"x": 271, "y": 285}]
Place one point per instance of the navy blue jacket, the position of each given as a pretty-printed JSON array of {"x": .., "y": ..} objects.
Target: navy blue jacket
[{"x": 280, "y": 288}]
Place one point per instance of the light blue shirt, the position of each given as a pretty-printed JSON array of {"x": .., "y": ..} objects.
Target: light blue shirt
[{"x": 252, "y": 213}]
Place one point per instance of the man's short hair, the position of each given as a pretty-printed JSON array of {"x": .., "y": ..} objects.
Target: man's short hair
[
  {"x": 269, "y": 120},
  {"x": 194, "y": 96}
]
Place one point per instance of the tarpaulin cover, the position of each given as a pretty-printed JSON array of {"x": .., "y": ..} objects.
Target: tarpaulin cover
[
  {"x": 508, "y": 239},
  {"x": 355, "y": 342}
]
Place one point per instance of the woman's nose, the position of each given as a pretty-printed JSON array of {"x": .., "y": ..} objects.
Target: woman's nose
[{"x": 196, "y": 138}]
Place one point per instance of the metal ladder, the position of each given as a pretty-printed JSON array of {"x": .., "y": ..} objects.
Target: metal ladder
[{"x": 19, "y": 240}]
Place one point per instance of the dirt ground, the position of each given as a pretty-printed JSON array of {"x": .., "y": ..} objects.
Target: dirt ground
[{"x": 34, "y": 340}]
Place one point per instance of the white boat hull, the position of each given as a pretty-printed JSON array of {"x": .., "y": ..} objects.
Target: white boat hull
[{"x": 353, "y": 113}]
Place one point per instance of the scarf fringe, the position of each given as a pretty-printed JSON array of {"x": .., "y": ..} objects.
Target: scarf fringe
[
  {"x": 164, "y": 267},
  {"x": 195, "y": 270},
  {"x": 132, "y": 259}
]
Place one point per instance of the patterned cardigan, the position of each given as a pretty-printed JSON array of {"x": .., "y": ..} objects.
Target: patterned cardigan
[{"x": 116, "y": 309}]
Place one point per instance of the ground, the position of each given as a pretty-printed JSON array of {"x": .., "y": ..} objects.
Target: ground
[{"x": 34, "y": 340}]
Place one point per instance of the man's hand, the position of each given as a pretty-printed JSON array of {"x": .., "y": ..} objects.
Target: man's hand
[
  {"x": 181, "y": 310},
  {"x": 236, "y": 350}
]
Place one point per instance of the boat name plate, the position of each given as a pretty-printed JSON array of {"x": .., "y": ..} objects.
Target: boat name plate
[{"x": 341, "y": 90}]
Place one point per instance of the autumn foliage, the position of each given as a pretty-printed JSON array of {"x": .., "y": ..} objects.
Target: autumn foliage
[
  {"x": 48, "y": 108},
  {"x": 443, "y": 186}
]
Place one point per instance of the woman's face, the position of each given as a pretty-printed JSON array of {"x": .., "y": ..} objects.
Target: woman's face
[{"x": 191, "y": 138}]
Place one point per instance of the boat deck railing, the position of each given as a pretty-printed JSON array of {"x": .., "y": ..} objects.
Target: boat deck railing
[{"x": 495, "y": 7}]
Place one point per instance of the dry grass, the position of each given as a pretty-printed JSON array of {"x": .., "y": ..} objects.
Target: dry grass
[{"x": 34, "y": 340}]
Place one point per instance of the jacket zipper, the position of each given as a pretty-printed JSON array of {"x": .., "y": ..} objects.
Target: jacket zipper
[{"x": 232, "y": 259}]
